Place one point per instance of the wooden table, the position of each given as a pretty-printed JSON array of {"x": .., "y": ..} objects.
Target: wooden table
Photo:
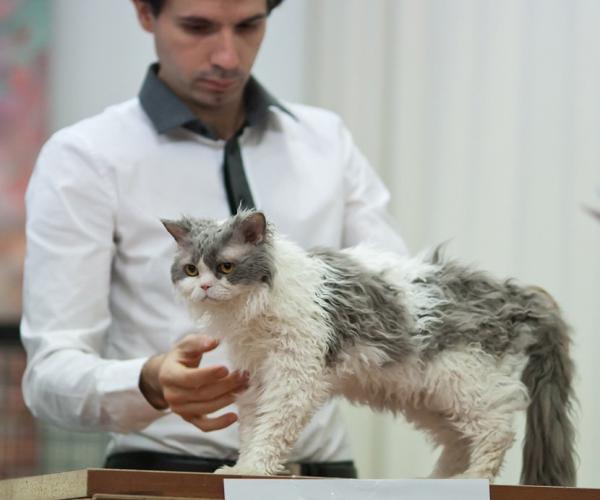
[{"x": 107, "y": 484}]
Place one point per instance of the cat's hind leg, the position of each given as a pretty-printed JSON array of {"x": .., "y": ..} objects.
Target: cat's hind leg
[
  {"x": 454, "y": 457},
  {"x": 486, "y": 423},
  {"x": 455, "y": 452},
  {"x": 489, "y": 437},
  {"x": 479, "y": 395}
]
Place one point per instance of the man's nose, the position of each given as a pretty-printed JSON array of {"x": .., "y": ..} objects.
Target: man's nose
[{"x": 225, "y": 54}]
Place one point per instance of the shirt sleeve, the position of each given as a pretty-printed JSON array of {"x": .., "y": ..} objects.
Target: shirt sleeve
[
  {"x": 366, "y": 217},
  {"x": 70, "y": 204}
]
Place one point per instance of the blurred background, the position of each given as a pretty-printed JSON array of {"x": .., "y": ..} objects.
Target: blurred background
[{"x": 482, "y": 117}]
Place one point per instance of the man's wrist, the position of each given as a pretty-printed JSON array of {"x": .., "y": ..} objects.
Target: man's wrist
[{"x": 149, "y": 384}]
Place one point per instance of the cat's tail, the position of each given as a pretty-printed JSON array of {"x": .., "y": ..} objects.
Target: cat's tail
[{"x": 548, "y": 450}]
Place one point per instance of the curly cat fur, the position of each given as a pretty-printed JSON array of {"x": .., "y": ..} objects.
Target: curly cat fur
[{"x": 453, "y": 350}]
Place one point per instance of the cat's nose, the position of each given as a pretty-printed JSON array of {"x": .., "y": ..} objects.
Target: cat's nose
[{"x": 205, "y": 286}]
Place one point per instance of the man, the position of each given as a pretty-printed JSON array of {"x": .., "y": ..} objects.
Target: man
[{"x": 109, "y": 347}]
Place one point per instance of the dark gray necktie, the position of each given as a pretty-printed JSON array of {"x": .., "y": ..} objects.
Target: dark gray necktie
[{"x": 236, "y": 184}]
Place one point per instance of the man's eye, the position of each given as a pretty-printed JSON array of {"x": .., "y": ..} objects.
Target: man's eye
[
  {"x": 190, "y": 270},
  {"x": 247, "y": 27},
  {"x": 197, "y": 28},
  {"x": 225, "y": 267},
  {"x": 251, "y": 25}
]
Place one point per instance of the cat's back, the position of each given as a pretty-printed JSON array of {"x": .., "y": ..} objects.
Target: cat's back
[{"x": 368, "y": 261}]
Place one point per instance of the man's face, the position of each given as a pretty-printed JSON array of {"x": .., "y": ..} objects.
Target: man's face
[{"x": 206, "y": 48}]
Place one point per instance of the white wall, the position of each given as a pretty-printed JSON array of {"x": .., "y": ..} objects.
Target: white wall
[{"x": 99, "y": 56}]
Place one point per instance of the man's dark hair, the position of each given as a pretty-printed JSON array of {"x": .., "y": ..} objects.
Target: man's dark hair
[{"x": 157, "y": 5}]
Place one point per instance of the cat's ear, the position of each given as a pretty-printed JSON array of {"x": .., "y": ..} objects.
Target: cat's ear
[
  {"x": 252, "y": 229},
  {"x": 179, "y": 230}
]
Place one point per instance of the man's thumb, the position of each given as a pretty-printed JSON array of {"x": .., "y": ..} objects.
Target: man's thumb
[{"x": 193, "y": 346}]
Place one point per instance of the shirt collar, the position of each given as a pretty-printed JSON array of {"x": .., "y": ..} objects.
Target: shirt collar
[{"x": 167, "y": 111}]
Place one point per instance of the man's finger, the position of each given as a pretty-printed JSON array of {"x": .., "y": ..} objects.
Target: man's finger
[
  {"x": 178, "y": 395},
  {"x": 198, "y": 409},
  {"x": 178, "y": 376},
  {"x": 234, "y": 382},
  {"x": 208, "y": 424}
]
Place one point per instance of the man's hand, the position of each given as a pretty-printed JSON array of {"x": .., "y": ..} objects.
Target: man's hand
[{"x": 174, "y": 380}]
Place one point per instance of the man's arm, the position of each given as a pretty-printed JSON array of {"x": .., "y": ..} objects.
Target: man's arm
[
  {"x": 70, "y": 224},
  {"x": 70, "y": 243},
  {"x": 366, "y": 216}
]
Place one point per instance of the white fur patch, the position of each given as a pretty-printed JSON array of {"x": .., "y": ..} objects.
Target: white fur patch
[{"x": 233, "y": 252}]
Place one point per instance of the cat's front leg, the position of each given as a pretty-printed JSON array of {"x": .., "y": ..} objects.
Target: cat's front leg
[
  {"x": 246, "y": 403},
  {"x": 289, "y": 395}
]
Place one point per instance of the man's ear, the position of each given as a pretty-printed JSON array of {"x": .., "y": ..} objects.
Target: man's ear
[{"x": 145, "y": 15}]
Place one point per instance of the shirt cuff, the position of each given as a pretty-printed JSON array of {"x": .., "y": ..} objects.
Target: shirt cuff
[{"x": 126, "y": 407}]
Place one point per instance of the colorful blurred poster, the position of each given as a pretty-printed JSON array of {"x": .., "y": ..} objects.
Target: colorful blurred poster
[{"x": 24, "y": 35}]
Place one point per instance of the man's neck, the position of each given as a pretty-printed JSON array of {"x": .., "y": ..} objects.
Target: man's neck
[{"x": 224, "y": 121}]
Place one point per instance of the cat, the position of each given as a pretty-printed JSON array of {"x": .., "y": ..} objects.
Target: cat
[{"x": 455, "y": 351}]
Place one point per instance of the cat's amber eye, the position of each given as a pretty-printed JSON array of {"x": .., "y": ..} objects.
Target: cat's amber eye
[
  {"x": 225, "y": 267},
  {"x": 190, "y": 270}
]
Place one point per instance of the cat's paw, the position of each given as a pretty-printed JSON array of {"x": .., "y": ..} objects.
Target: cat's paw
[
  {"x": 240, "y": 470},
  {"x": 476, "y": 475},
  {"x": 225, "y": 469}
]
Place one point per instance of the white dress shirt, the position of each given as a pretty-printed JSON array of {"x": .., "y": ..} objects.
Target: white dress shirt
[{"x": 98, "y": 298}]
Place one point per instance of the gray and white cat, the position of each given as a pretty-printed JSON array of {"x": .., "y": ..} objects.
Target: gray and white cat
[{"x": 456, "y": 352}]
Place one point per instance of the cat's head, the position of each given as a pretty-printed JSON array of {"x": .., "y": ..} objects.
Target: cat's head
[{"x": 220, "y": 261}]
